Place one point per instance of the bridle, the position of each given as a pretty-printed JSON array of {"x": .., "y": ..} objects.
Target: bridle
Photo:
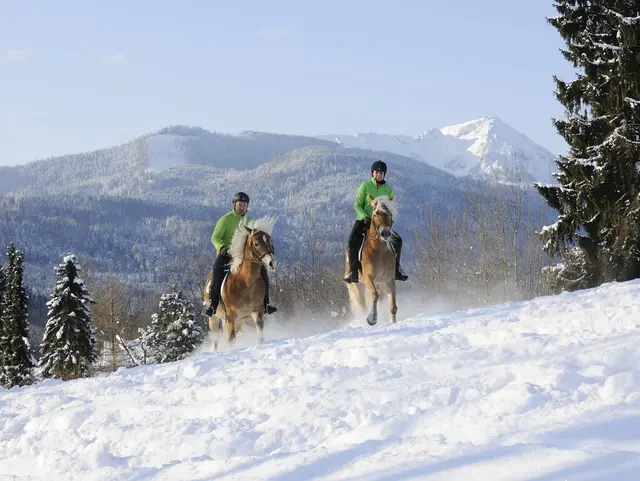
[
  {"x": 254, "y": 253},
  {"x": 376, "y": 234}
]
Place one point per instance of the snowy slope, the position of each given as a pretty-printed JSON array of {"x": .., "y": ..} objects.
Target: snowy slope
[
  {"x": 545, "y": 390},
  {"x": 165, "y": 151},
  {"x": 486, "y": 147}
]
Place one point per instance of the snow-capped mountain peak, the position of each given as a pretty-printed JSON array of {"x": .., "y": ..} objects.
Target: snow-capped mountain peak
[{"x": 486, "y": 147}]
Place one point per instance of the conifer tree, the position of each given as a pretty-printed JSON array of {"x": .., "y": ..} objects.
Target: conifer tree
[
  {"x": 3, "y": 336},
  {"x": 17, "y": 359},
  {"x": 174, "y": 331},
  {"x": 68, "y": 347},
  {"x": 598, "y": 191}
]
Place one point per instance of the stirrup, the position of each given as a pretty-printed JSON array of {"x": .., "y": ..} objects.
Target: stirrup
[
  {"x": 351, "y": 277},
  {"x": 400, "y": 275},
  {"x": 209, "y": 311}
]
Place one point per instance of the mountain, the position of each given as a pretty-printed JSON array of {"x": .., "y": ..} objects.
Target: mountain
[
  {"x": 485, "y": 148},
  {"x": 122, "y": 169},
  {"x": 544, "y": 390},
  {"x": 136, "y": 207},
  {"x": 144, "y": 211}
]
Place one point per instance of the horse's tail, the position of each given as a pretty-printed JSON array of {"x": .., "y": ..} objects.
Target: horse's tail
[
  {"x": 205, "y": 290},
  {"x": 356, "y": 293},
  {"x": 356, "y": 298}
]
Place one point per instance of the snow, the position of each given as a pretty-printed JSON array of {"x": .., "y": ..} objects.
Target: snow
[
  {"x": 165, "y": 152},
  {"x": 544, "y": 390},
  {"x": 622, "y": 18},
  {"x": 485, "y": 147}
]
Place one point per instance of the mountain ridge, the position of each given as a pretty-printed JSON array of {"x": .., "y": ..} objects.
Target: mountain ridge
[
  {"x": 136, "y": 212},
  {"x": 485, "y": 147}
]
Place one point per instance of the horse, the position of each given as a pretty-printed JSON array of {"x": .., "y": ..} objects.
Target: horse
[
  {"x": 243, "y": 290},
  {"x": 378, "y": 261}
]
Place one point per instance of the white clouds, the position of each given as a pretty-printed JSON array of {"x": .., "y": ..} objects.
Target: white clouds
[
  {"x": 17, "y": 55},
  {"x": 115, "y": 59},
  {"x": 274, "y": 33},
  {"x": 13, "y": 56}
]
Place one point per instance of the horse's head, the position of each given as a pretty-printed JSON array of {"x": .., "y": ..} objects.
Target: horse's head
[
  {"x": 260, "y": 248},
  {"x": 252, "y": 243},
  {"x": 383, "y": 213}
]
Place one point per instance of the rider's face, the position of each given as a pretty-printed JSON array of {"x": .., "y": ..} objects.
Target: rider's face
[
  {"x": 378, "y": 175},
  {"x": 240, "y": 207}
]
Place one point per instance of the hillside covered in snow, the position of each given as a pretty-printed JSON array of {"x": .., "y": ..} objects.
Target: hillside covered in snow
[{"x": 544, "y": 390}]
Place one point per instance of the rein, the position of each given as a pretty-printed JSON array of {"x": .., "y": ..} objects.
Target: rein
[
  {"x": 376, "y": 235},
  {"x": 253, "y": 253}
]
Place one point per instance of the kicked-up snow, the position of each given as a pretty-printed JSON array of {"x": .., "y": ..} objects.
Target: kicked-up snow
[{"x": 544, "y": 390}]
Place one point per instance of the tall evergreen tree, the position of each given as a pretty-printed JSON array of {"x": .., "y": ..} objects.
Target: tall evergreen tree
[
  {"x": 68, "y": 348},
  {"x": 18, "y": 361},
  {"x": 3, "y": 337},
  {"x": 598, "y": 191},
  {"x": 174, "y": 331}
]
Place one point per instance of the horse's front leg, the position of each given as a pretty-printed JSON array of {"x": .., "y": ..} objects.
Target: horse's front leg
[
  {"x": 215, "y": 326},
  {"x": 372, "y": 318},
  {"x": 391, "y": 289},
  {"x": 259, "y": 322},
  {"x": 231, "y": 326}
]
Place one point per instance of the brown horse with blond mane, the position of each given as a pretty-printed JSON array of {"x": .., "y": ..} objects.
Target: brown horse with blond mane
[
  {"x": 378, "y": 262},
  {"x": 243, "y": 290}
]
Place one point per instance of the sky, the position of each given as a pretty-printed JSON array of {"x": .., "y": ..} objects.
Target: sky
[
  {"x": 77, "y": 76},
  {"x": 542, "y": 390}
]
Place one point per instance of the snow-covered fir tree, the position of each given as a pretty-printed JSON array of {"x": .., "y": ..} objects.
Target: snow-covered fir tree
[
  {"x": 174, "y": 331},
  {"x": 68, "y": 347},
  {"x": 3, "y": 337},
  {"x": 17, "y": 359},
  {"x": 598, "y": 196}
]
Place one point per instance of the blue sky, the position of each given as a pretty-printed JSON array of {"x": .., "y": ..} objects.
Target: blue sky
[{"x": 78, "y": 75}]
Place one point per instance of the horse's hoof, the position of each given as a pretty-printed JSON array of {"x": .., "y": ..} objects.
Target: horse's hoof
[{"x": 372, "y": 320}]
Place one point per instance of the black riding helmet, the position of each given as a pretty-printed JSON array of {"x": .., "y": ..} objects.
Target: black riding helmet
[
  {"x": 379, "y": 166},
  {"x": 241, "y": 197}
]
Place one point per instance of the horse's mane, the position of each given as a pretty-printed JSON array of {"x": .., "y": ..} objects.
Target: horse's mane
[
  {"x": 385, "y": 202},
  {"x": 264, "y": 224}
]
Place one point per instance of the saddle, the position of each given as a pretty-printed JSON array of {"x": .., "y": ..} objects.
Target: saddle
[
  {"x": 360, "y": 251},
  {"x": 367, "y": 222},
  {"x": 225, "y": 274}
]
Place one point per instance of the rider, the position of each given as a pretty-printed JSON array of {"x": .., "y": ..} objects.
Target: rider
[
  {"x": 376, "y": 186},
  {"x": 221, "y": 239}
]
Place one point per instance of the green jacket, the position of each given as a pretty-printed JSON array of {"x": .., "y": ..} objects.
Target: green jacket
[
  {"x": 362, "y": 205},
  {"x": 225, "y": 227}
]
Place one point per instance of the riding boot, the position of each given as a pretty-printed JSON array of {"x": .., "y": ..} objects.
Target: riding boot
[
  {"x": 356, "y": 238},
  {"x": 352, "y": 273},
  {"x": 347, "y": 275},
  {"x": 216, "y": 283},
  {"x": 397, "y": 245},
  {"x": 268, "y": 309},
  {"x": 214, "y": 298}
]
